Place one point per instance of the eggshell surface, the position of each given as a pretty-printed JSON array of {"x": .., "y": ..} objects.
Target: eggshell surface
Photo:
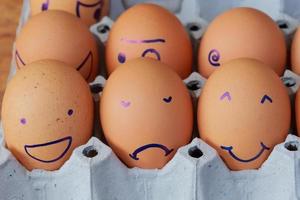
[
  {"x": 60, "y": 36},
  {"x": 295, "y": 51},
  {"x": 243, "y": 112},
  {"x": 146, "y": 113},
  {"x": 47, "y": 111},
  {"x": 148, "y": 30},
  {"x": 238, "y": 33},
  {"x": 90, "y": 11}
]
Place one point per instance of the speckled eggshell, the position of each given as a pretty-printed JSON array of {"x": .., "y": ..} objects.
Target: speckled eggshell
[
  {"x": 242, "y": 32},
  {"x": 148, "y": 30},
  {"x": 61, "y": 36},
  {"x": 90, "y": 11},
  {"x": 145, "y": 105},
  {"x": 47, "y": 111},
  {"x": 243, "y": 112}
]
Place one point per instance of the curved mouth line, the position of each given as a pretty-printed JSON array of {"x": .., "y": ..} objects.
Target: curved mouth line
[
  {"x": 68, "y": 138},
  {"x": 154, "y": 51},
  {"x": 147, "y": 146},
  {"x": 230, "y": 148},
  {"x": 18, "y": 57},
  {"x": 79, "y": 3}
]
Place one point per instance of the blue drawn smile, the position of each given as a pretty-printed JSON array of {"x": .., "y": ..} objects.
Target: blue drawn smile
[
  {"x": 230, "y": 148},
  {"x": 69, "y": 139},
  {"x": 147, "y": 146},
  {"x": 152, "y": 51}
]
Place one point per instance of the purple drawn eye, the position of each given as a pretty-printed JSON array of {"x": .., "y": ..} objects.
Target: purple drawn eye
[
  {"x": 121, "y": 58},
  {"x": 168, "y": 99},
  {"x": 226, "y": 95},
  {"x": 23, "y": 121},
  {"x": 97, "y": 14},
  {"x": 70, "y": 112},
  {"x": 45, "y": 5},
  {"x": 266, "y": 97}
]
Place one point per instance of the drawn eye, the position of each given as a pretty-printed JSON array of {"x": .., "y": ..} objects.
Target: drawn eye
[
  {"x": 225, "y": 95},
  {"x": 70, "y": 112},
  {"x": 264, "y": 98},
  {"x": 23, "y": 121},
  {"x": 167, "y": 99},
  {"x": 122, "y": 58}
]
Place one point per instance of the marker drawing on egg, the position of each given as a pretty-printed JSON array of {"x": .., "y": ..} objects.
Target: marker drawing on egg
[
  {"x": 214, "y": 57},
  {"x": 168, "y": 100},
  {"x": 125, "y": 104},
  {"x": 156, "y": 40},
  {"x": 97, "y": 13},
  {"x": 23, "y": 121},
  {"x": 151, "y": 51},
  {"x": 45, "y": 5},
  {"x": 134, "y": 155},
  {"x": 121, "y": 58},
  {"x": 18, "y": 58},
  {"x": 226, "y": 95},
  {"x": 266, "y": 97}
]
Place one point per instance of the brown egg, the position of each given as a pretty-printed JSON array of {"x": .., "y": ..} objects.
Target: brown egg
[
  {"x": 47, "y": 111},
  {"x": 90, "y": 11},
  {"x": 295, "y": 51},
  {"x": 242, "y": 32},
  {"x": 147, "y": 117},
  {"x": 148, "y": 30},
  {"x": 297, "y": 111},
  {"x": 59, "y": 36},
  {"x": 243, "y": 112}
]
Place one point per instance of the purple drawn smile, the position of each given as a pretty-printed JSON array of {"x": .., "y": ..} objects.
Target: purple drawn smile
[
  {"x": 68, "y": 139},
  {"x": 157, "y": 40},
  {"x": 151, "y": 51},
  {"x": 230, "y": 148},
  {"x": 125, "y": 104},
  {"x": 134, "y": 155},
  {"x": 97, "y": 13}
]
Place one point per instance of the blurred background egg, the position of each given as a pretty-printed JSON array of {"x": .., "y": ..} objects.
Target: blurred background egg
[
  {"x": 47, "y": 111},
  {"x": 243, "y": 112},
  {"x": 90, "y": 11},
  {"x": 148, "y": 30},
  {"x": 146, "y": 113},
  {"x": 238, "y": 33},
  {"x": 60, "y": 36}
]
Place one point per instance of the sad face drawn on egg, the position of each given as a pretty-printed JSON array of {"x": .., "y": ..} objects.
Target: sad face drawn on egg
[
  {"x": 243, "y": 112},
  {"x": 146, "y": 118}
]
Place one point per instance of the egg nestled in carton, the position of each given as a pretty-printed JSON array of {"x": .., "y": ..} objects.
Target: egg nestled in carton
[{"x": 47, "y": 111}]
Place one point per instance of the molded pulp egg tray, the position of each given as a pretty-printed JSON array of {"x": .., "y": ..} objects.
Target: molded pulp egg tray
[{"x": 196, "y": 172}]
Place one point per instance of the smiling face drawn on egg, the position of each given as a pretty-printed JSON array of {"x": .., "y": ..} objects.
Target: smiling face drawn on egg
[
  {"x": 243, "y": 112},
  {"x": 146, "y": 118},
  {"x": 51, "y": 119},
  {"x": 148, "y": 30},
  {"x": 59, "y": 36}
]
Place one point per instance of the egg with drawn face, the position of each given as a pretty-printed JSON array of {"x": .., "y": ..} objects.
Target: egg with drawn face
[
  {"x": 60, "y": 36},
  {"x": 90, "y": 11},
  {"x": 238, "y": 33},
  {"x": 146, "y": 118},
  {"x": 47, "y": 111},
  {"x": 243, "y": 112},
  {"x": 148, "y": 30}
]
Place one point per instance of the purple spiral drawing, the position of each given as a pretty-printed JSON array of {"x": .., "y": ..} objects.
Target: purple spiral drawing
[{"x": 214, "y": 57}]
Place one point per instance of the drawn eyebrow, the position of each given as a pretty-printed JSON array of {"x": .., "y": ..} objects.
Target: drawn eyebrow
[
  {"x": 226, "y": 95},
  {"x": 156, "y": 40},
  {"x": 266, "y": 97}
]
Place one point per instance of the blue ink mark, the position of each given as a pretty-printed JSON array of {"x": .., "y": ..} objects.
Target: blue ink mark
[
  {"x": 97, "y": 13},
  {"x": 266, "y": 97},
  {"x": 151, "y": 51},
  {"x": 68, "y": 138},
  {"x": 122, "y": 58},
  {"x": 167, "y": 100},
  {"x": 147, "y": 146},
  {"x": 214, "y": 57},
  {"x": 230, "y": 148},
  {"x": 226, "y": 95}
]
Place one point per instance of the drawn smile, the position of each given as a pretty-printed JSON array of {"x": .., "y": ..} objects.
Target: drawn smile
[
  {"x": 151, "y": 51},
  {"x": 134, "y": 155},
  {"x": 230, "y": 148},
  {"x": 52, "y": 145}
]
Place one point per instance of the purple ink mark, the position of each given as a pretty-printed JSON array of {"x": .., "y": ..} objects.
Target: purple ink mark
[
  {"x": 168, "y": 100},
  {"x": 87, "y": 58},
  {"x": 97, "y": 13},
  {"x": 23, "y": 121},
  {"x": 214, "y": 57},
  {"x": 155, "y": 52},
  {"x": 158, "y": 40},
  {"x": 68, "y": 138},
  {"x": 122, "y": 58},
  {"x": 230, "y": 148},
  {"x": 225, "y": 95},
  {"x": 70, "y": 112},
  {"x": 18, "y": 57},
  {"x": 266, "y": 97},
  {"x": 134, "y": 155},
  {"x": 45, "y": 5},
  {"x": 125, "y": 104}
]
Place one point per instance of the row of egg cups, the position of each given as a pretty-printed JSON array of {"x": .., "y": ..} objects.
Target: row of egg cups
[
  {"x": 148, "y": 30},
  {"x": 146, "y": 113}
]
